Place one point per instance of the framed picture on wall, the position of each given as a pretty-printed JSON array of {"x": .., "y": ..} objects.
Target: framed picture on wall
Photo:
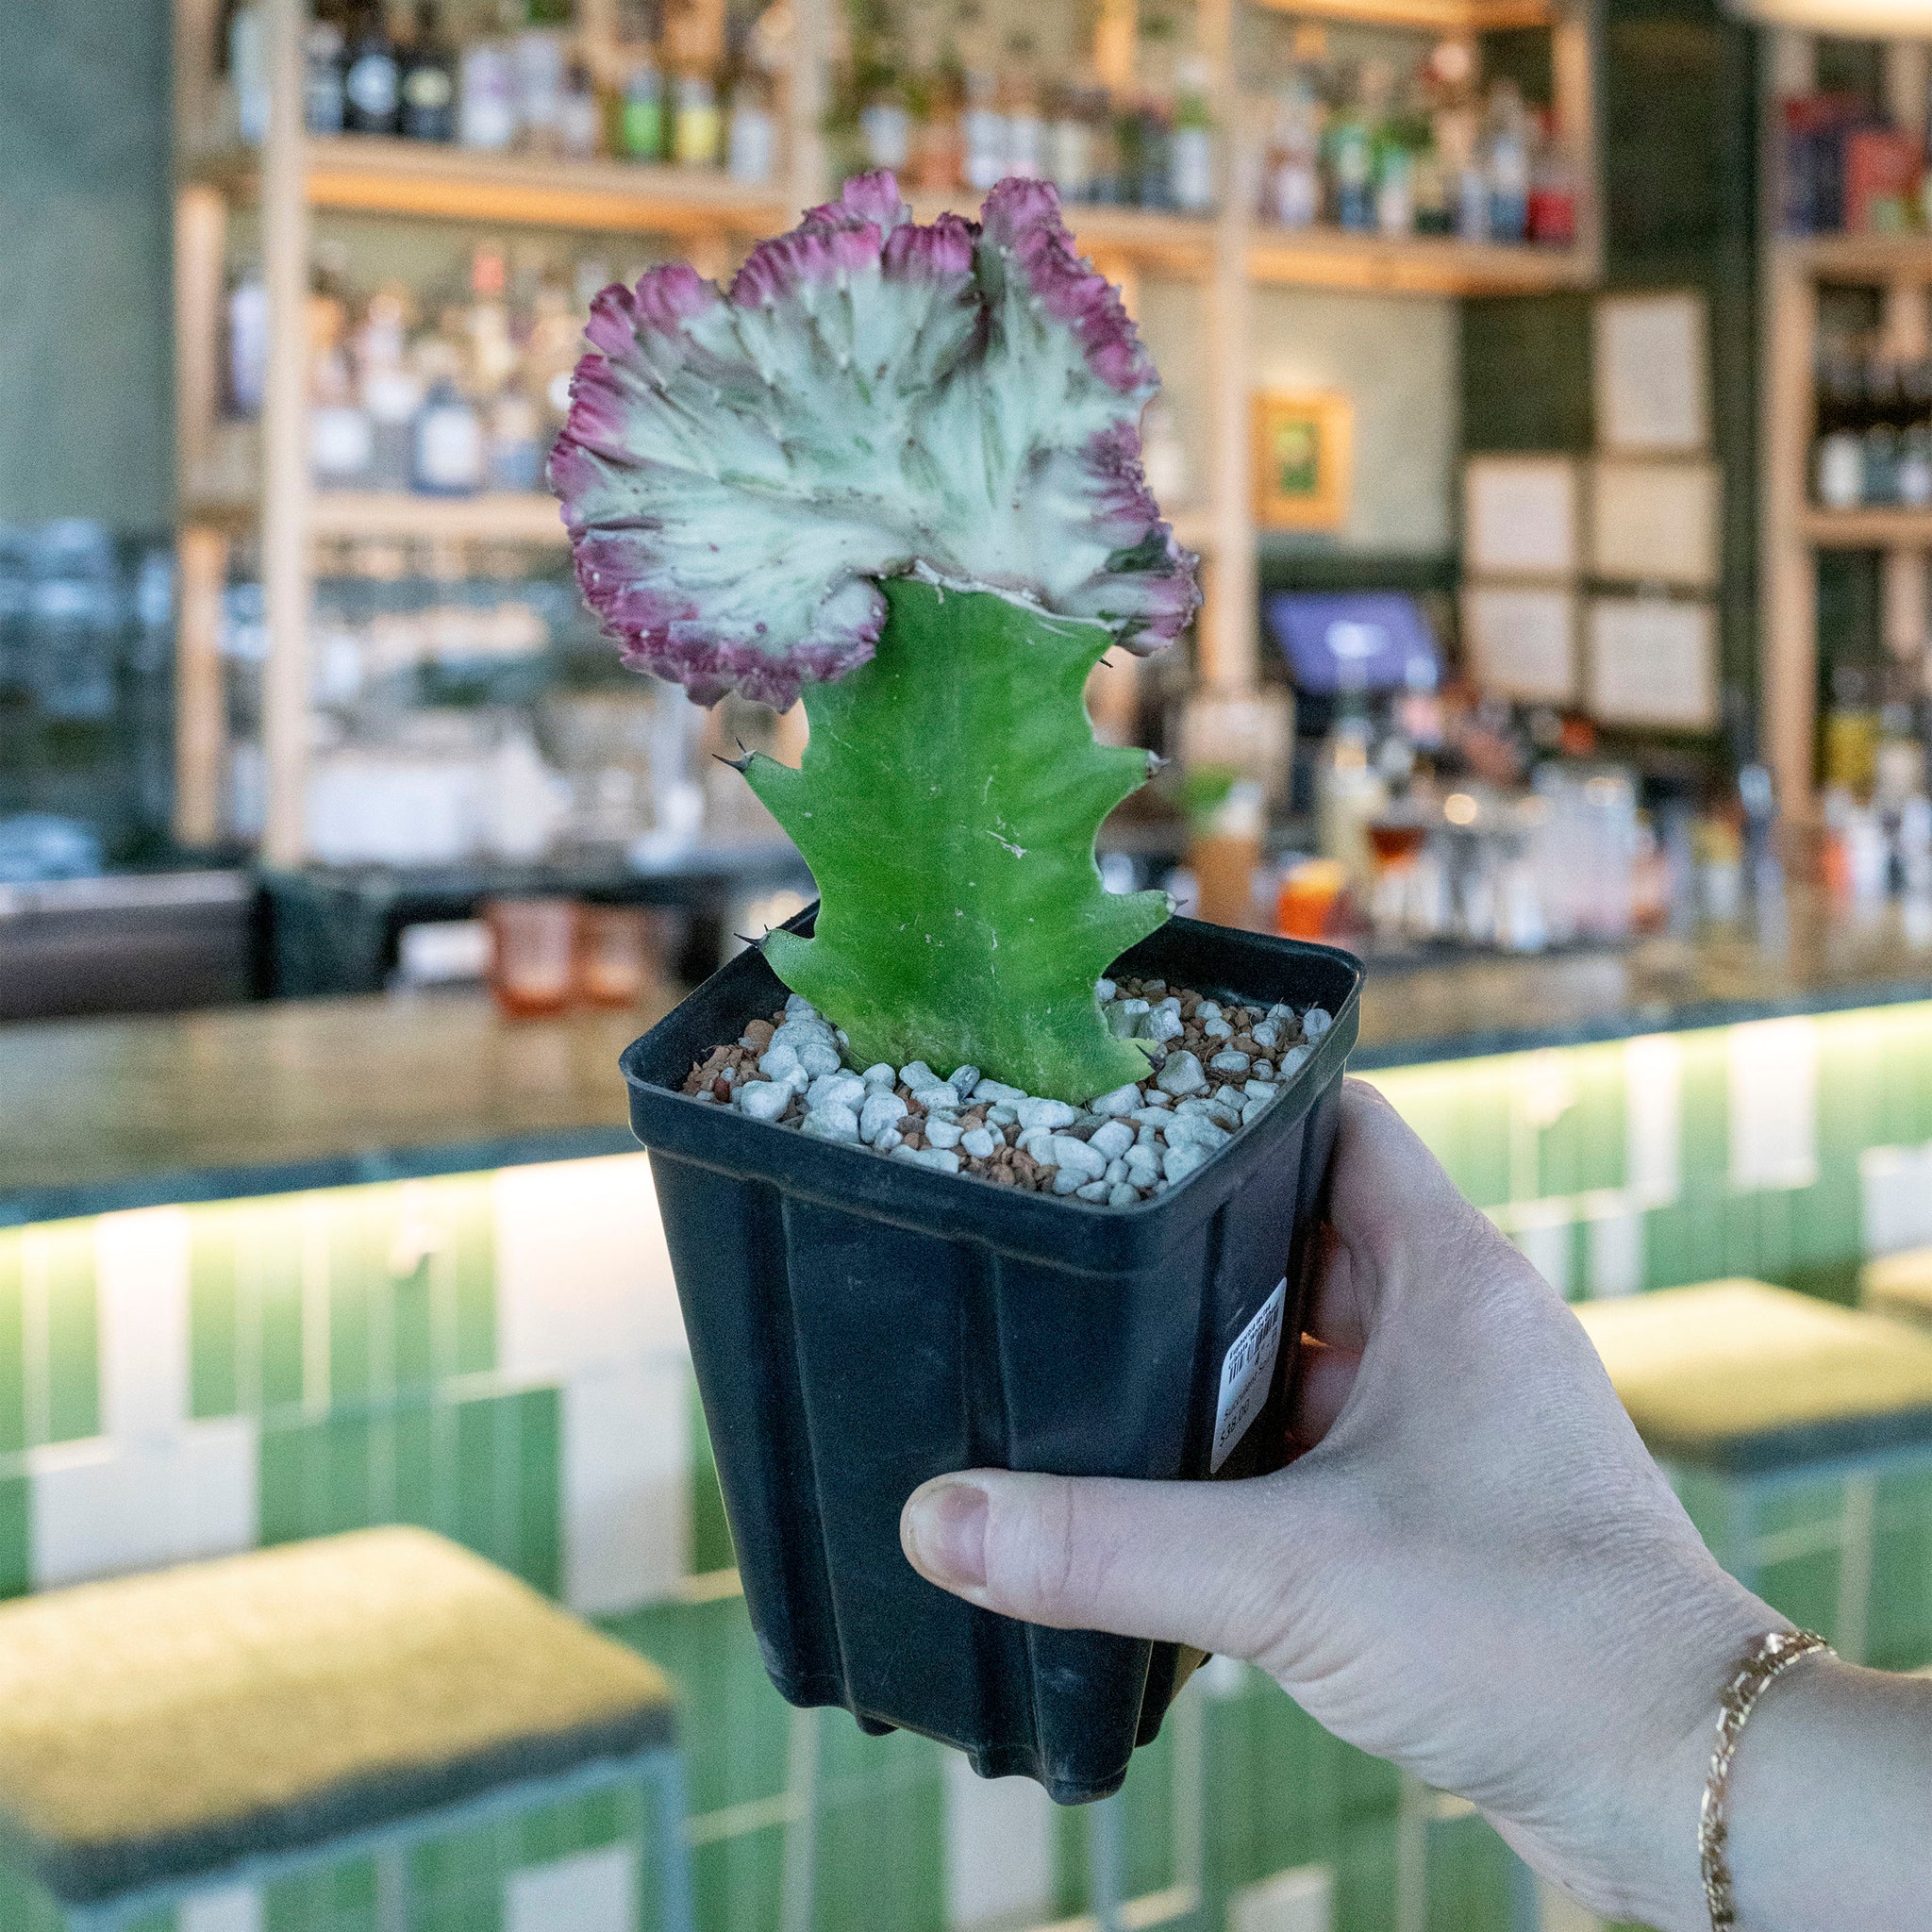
[
  {"x": 1301, "y": 454},
  {"x": 1521, "y": 516}
]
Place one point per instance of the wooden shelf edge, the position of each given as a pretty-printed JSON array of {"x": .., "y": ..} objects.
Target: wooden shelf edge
[
  {"x": 490, "y": 518},
  {"x": 381, "y": 174},
  {"x": 1414, "y": 265},
  {"x": 1426, "y": 16},
  {"x": 1876, "y": 258},
  {"x": 1866, "y": 529}
]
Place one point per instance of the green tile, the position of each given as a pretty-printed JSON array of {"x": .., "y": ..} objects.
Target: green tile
[
  {"x": 470, "y": 1263},
  {"x": 1469, "y": 1872},
  {"x": 425, "y": 1465},
  {"x": 336, "y": 1898},
  {"x": 456, "y": 1879},
  {"x": 16, "y": 1520},
  {"x": 540, "y": 1488},
  {"x": 12, "y": 1364},
  {"x": 412, "y": 1317},
  {"x": 74, "y": 1336},
  {"x": 25, "y": 1906},
  {"x": 214, "y": 1313},
  {"x": 272, "y": 1237},
  {"x": 880, "y": 1844}
]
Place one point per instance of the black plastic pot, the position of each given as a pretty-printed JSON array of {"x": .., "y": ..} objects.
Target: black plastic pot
[{"x": 859, "y": 1325}]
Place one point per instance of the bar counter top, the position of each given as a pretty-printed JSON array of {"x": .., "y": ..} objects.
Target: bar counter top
[{"x": 104, "y": 1114}]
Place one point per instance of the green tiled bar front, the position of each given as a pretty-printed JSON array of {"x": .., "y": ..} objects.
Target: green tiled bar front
[{"x": 446, "y": 1352}]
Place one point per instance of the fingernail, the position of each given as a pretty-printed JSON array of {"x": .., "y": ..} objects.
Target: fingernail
[{"x": 945, "y": 1533}]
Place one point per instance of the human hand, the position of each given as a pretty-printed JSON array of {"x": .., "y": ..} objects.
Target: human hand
[{"x": 1475, "y": 1569}]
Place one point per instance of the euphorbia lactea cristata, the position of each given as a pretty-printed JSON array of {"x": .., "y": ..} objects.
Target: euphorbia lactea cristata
[{"x": 898, "y": 467}]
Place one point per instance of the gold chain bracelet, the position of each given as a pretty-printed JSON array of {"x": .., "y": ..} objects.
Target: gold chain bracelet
[{"x": 1769, "y": 1658}]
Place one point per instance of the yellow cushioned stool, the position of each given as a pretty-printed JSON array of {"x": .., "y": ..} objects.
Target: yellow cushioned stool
[
  {"x": 234, "y": 1721},
  {"x": 1747, "y": 1392}
]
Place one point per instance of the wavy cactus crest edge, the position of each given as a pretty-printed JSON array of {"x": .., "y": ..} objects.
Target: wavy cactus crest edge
[{"x": 746, "y": 476}]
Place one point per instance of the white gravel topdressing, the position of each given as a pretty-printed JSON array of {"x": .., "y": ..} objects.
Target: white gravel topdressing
[{"x": 1213, "y": 1069}]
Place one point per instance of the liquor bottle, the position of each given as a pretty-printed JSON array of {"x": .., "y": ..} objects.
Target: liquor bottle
[
  {"x": 641, "y": 120},
  {"x": 1190, "y": 155},
  {"x": 579, "y": 118},
  {"x": 538, "y": 58},
  {"x": 428, "y": 81},
  {"x": 984, "y": 127},
  {"x": 247, "y": 348},
  {"x": 885, "y": 126},
  {"x": 1352, "y": 168},
  {"x": 449, "y": 458},
  {"x": 341, "y": 436},
  {"x": 323, "y": 73},
  {"x": 1291, "y": 173},
  {"x": 1839, "y": 461},
  {"x": 492, "y": 351},
  {"x": 1551, "y": 189},
  {"x": 1019, "y": 97},
  {"x": 752, "y": 134},
  {"x": 1069, "y": 150},
  {"x": 391, "y": 391},
  {"x": 515, "y": 444},
  {"x": 1881, "y": 439},
  {"x": 371, "y": 87},
  {"x": 939, "y": 141},
  {"x": 1915, "y": 443},
  {"x": 487, "y": 97},
  {"x": 1507, "y": 164},
  {"x": 697, "y": 133}
]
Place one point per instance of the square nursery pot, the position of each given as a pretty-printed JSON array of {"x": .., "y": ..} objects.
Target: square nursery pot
[{"x": 858, "y": 1324}]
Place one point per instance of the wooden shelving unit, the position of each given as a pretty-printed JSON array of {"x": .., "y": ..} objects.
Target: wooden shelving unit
[
  {"x": 1792, "y": 528},
  {"x": 712, "y": 219}
]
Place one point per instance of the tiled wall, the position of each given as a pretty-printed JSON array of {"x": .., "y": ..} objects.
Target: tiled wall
[{"x": 499, "y": 1357}]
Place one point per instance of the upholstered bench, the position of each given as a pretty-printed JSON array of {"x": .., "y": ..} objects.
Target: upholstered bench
[
  {"x": 1749, "y": 1394},
  {"x": 235, "y": 1721}
]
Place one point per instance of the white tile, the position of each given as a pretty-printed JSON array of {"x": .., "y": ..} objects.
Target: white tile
[
  {"x": 1653, "y": 1119},
  {"x": 1616, "y": 1253},
  {"x": 1895, "y": 1195},
  {"x": 230, "y": 1908},
  {"x": 589, "y": 1892},
  {"x": 101, "y": 1508},
  {"x": 216, "y": 1487},
  {"x": 1546, "y": 1240},
  {"x": 1774, "y": 1103},
  {"x": 626, "y": 1486},
  {"x": 142, "y": 1279},
  {"x": 97, "y": 1510},
  {"x": 1556, "y": 1911},
  {"x": 582, "y": 1275},
  {"x": 999, "y": 1849},
  {"x": 1302, "y": 1900}
]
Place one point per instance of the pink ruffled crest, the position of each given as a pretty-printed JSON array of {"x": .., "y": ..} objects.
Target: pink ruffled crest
[
  {"x": 1022, "y": 216},
  {"x": 1169, "y": 597},
  {"x": 873, "y": 198},
  {"x": 812, "y": 252},
  {"x": 598, "y": 412},
  {"x": 670, "y": 295},
  {"x": 1113, "y": 454},
  {"x": 708, "y": 670},
  {"x": 944, "y": 249}
]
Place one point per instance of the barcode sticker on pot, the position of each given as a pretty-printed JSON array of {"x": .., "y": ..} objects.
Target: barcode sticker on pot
[{"x": 1247, "y": 1373}]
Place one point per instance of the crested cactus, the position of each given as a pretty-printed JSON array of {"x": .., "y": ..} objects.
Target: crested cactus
[{"x": 896, "y": 469}]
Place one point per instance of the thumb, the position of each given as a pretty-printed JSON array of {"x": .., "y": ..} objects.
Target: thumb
[{"x": 1196, "y": 1563}]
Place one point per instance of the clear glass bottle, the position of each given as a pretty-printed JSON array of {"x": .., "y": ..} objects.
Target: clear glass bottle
[
  {"x": 322, "y": 72},
  {"x": 371, "y": 85},
  {"x": 449, "y": 458},
  {"x": 428, "y": 84},
  {"x": 751, "y": 135},
  {"x": 697, "y": 133},
  {"x": 1291, "y": 173},
  {"x": 641, "y": 119},
  {"x": 579, "y": 115},
  {"x": 983, "y": 126},
  {"x": 1352, "y": 167},
  {"x": 486, "y": 95},
  {"x": 1190, "y": 155},
  {"x": 1506, "y": 161}
]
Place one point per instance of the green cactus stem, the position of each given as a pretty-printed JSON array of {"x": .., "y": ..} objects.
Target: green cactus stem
[{"x": 947, "y": 805}]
